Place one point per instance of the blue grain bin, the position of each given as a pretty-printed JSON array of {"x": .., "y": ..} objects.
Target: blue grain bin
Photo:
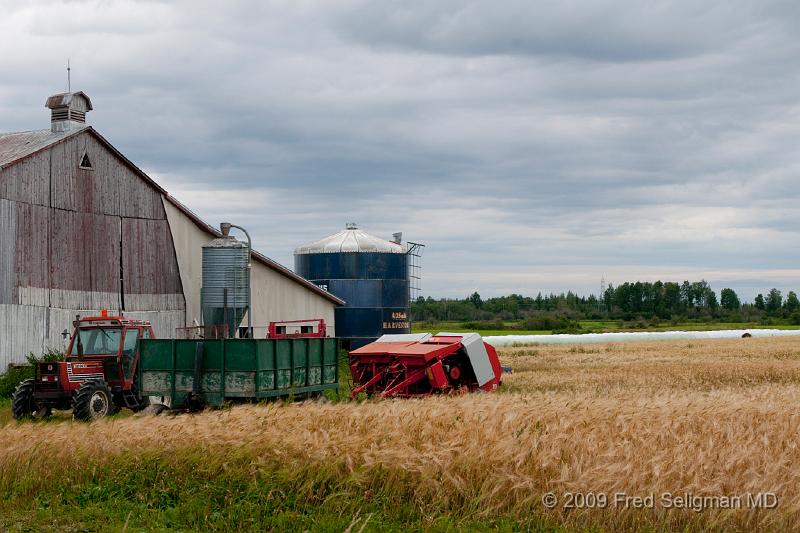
[{"x": 369, "y": 273}]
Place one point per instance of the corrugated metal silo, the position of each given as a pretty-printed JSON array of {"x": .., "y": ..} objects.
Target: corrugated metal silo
[
  {"x": 224, "y": 292},
  {"x": 369, "y": 273}
]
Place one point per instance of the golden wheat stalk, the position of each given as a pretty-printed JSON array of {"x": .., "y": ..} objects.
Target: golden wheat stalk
[{"x": 702, "y": 418}]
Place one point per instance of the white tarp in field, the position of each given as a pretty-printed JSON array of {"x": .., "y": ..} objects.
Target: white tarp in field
[{"x": 585, "y": 338}]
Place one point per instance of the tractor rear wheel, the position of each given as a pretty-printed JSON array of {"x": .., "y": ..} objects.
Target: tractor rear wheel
[
  {"x": 23, "y": 404},
  {"x": 93, "y": 401}
]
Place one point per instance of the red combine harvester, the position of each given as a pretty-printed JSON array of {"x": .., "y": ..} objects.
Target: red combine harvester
[
  {"x": 423, "y": 364},
  {"x": 96, "y": 379},
  {"x": 291, "y": 329}
]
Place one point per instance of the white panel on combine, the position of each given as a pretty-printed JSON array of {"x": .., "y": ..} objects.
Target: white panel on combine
[
  {"x": 476, "y": 352},
  {"x": 405, "y": 337}
]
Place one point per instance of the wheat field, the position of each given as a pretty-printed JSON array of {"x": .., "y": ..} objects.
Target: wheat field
[{"x": 703, "y": 420}]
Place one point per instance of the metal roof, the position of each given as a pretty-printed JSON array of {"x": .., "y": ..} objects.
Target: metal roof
[
  {"x": 351, "y": 239},
  {"x": 65, "y": 99},
  {"x": 15, "y": 146}
]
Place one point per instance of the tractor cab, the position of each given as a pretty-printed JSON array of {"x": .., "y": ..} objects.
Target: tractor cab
[
  {"x": 107, "y": 342},
  {"x": 97, "y": 376}
]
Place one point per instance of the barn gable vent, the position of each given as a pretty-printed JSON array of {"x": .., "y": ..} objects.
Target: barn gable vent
[
  {"x": 86, "y": 163},
  {"x": 68, "y": 111}
]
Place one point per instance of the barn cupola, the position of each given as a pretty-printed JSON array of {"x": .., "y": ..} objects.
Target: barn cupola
[{"x": 68, "y": 111}]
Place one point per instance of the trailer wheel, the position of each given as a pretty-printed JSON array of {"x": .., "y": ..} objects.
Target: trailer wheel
[
  {"x": 93, "y": 401},
  {"x": 24, "y": 406}
]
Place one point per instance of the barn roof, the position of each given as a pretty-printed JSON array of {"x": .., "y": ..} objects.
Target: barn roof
[{"x": 17, "y": 146}]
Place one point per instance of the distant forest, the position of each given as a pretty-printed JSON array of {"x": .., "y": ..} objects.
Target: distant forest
[{"x": 642, "y": 303}]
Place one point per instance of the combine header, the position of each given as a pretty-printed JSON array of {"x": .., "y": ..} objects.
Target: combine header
[{"x": 423, "y": 364}]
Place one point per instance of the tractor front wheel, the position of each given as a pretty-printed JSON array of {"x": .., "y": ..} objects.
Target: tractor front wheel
[
  {"x": 23, "y": 404},
  {"x": 93, "y": 401}
]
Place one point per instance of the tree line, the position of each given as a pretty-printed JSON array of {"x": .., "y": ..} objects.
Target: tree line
[{"x": 640, "y": 301}]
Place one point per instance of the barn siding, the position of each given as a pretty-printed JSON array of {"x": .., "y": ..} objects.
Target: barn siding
[
  {"x": 32, "y": 262},
  {"x": 111, "y": 188},
  {"x": 84, "y": 250},
  {"x": 106, "y": 187},
  {"x": 58, "y": 321},
  {"x": 76, "y": 189},
  {"x": 63, "y": 183},
  {"x": 23, "y": 330},
  {"x": 164, "y": 322},
  {"x": 32, "y": 329},
  {"x": 68, "y": 256},
  {"x": 8, "y": 239},
  {"x": 140, "y": 200},
  {"x": 39, "y": 296},
  {"x": 154, "y": 302},
  {"x": 28, "y": 180},
  {"x": 148, "y": 258}
]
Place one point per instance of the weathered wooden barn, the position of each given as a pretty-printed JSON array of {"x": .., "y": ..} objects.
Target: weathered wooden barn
[{"x": 82, "y": 228}]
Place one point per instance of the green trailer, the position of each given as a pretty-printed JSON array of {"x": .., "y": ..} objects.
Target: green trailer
[{"x": 189, "y": 373}]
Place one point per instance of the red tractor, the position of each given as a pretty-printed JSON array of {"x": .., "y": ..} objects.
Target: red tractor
[{"x": 96, "y": 379}]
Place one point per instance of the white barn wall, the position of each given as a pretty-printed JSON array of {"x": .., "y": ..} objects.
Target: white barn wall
[
  {"x": 275, "y": 297},
  {"x": 35, "y": 329},
  {"x": 24, "y": 328},
  {"x": 188, "y": 240},
  {"x": 164, "y": 322}
]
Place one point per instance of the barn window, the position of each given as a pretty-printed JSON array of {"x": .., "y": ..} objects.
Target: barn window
[{"x": 86, "y": 163}]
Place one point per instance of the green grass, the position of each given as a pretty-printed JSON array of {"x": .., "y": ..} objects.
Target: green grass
[
  {"x": 5, "y": 411},
  {"x": 188, "y": 493},
  {"x": 484, "y": 332}
]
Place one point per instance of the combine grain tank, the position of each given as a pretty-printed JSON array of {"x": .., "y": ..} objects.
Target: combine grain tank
[
  {"x": 369, "y": 273},
  {"x": 225, "y": 282}
]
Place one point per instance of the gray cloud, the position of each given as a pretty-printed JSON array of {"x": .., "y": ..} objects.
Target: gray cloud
[
  {"x": 604, "y": 31},
  {"x": 532, "y": 145}
]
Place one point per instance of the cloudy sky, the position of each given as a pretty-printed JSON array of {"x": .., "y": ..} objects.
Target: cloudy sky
[{"x": 532, "y": 146}]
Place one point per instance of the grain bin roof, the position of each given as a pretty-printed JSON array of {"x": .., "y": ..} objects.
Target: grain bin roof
[
  {"x": 15, "y": 147},
  {"x": 351, "y": 239}
]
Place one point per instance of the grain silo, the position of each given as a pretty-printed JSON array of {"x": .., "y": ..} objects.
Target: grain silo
[
  {"x": 226, "y": 285},
  {"x": 372, "y": 275}
]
